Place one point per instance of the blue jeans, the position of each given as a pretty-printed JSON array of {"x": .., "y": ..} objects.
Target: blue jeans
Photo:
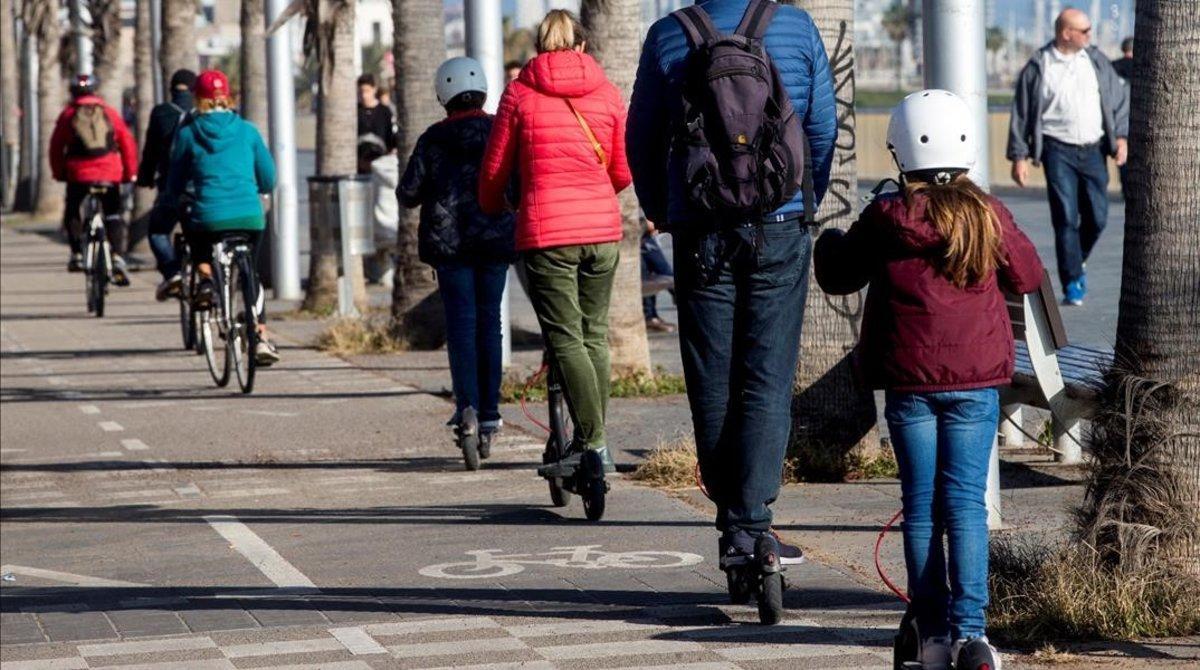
[
  {"x": 471, "y": 295},
  {"x": 741, "y": 305},
  {"x": 654, "y": 264},
  {"x": 1077, "y": 184},
  {"x": 162, "y": 221},
  {"x": 943, "y": 442}
]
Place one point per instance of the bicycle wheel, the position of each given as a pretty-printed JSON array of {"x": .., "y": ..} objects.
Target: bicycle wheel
[
  {"x": 187, "y": 322},
  {"x": 98, "y": 276},
  {"x": 243, "y": 340},
  {"x": 213, "y": 344}
]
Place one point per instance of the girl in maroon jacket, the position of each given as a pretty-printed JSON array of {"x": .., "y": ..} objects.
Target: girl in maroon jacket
[{"x": 936, "y": 336}]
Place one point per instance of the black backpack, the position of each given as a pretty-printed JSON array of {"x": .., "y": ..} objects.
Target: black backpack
[{"x": 745, "y": 151}]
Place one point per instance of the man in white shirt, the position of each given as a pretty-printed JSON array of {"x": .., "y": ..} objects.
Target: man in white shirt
[{"x": 1070, "y": 113}]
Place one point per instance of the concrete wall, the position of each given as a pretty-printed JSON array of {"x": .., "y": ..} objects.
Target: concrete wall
[{"x": 874, "y": 161}]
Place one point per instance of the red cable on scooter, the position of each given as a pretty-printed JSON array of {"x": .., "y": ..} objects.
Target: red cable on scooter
[{"x": 525, "y": 396}]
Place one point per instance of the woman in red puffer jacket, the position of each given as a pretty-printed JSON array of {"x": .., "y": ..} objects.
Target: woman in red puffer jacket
[{"x": 561, "y": 126}]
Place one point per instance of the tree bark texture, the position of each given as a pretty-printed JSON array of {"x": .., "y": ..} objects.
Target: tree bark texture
[
  {"x": 834, "y": 415},
  {"x": 107, "y": 62},
  {"x": 1158, "y": 326},
  {"x": 419, "y": 47},
  {"x": 253, "y": 97},
  {"x": 336, "y": 150},
  {"x": 10, "y": 82},
  {"x": 41, "y": 20},
  {"x": 143, "y": 75},
  {"x": 614, "y": 28},
  {"x": 177, "y": 49}
]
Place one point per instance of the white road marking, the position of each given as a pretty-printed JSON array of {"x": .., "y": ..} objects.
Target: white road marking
[
  {"x": 430, "y": 626},
  {"x": 427, "y": 649},
  {"x": 769, "y": 652},
  {"x": 73, "y": 663},
  {"x": 111, "y": 426},
  {"x": 711, "y": 665},
  {"x": 143, "y": 493},
  {"x": 357, "y": 641},
  {"x": 282, "y": 647},
  {"x": 338, "y": 665},
  {"x": 35, "y": 495},
  {"x": 214, "y": 664},
  {"x": 263, "y": 412},
  {"x": 12, "y": 451},
  {"x": 189, "y": 491},
  {"x": 514, "y": 665},
  {"x": 610, "y": 649},
  {"x": 134, "y": 444},
  {"x": 65, "y": 577},
  {"x": 146, "y": 647},
  {"x": 248, "y": 493},
  {"x": 268, "y": 561},
  {"x": 578, "y": 628}
]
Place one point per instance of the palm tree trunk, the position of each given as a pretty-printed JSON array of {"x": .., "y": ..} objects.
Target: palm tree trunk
[
  {"x": 614, "y": 27},
  {"x": 833, "y": 415},
  {"x": 419, "y": 47},
  {"x": 177, "y": 49},
  {"x": 143, "y": 75},
  {"x": 10, "y": 81},
  {"x": 336, "y": 151},
  {"x": 106, "y": 49},
  {"x": 253, "y": 97},
  {"x": 1150, "y": 513},
  {"x": 41, "y": 20}
]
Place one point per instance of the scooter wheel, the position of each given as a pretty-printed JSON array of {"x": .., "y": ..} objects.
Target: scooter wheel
[
  {"x": 770, "y": 599},
  {"x": 906, "y": 645},
  {"x": 592, "y": 487},
  {"x": 741, "y": 586},
  {"x": 470, "y": 448},
  {"x": 558, "y": 495}
]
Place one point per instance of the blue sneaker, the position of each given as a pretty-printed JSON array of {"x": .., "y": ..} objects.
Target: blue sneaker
[{"x": 1074, "y": 292}]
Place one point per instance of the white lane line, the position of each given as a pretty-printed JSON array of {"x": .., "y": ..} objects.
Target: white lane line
[
  {"x": 248, "y": 493},
  {"x": 73, "y": 663},
  {"x": 514, "y": 665},
  {"x": 427, "y": 649},
  {"x": 146, "y": 647},
  {"x": 134, "y": 444},
  {"x": 143, "y": 493},
  {"x": 337, "y": 665},
  {"x": 430, "y": 626},
  {"x": 64, "y": 577},
  {"x": 710, "y": 665},
  {"x": 578, "y": 628},
  {"x": 12, "y": 451},
  {"x": 770, "y": 652},
  {"x": 111, "y": 426},
  {"x": 189, "y": 491},
  {"x": 282, "y": 647},
  {"x": 89, "y": 409},
  {"x": 575, "y": 652},
  {"x": 263, "y": 412},
  {"x": 268, "y": 561},
  {"x": 34, "y": 495},
  {"x": 215, "y": 664},
  {"x": 357, "y": 641}
]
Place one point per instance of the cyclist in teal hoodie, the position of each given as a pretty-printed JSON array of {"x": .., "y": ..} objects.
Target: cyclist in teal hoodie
[{"x": 225, "y": 162}]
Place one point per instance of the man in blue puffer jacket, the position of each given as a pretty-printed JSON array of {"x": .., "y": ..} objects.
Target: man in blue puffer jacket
[{"x": 740, "y": 285}]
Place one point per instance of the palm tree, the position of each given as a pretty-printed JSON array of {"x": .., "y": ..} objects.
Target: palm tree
[
  {"x": 41, "y": 23},
  {"x": 1143, "y": 504},
  {"x": 996, "y": 41},
  {"x": 614, "y": 27},
  {"x": 896, "y": 23},
  {"x": 105, "y": 28},
  {"x": 833, "y": 415},
  {"x": 177, "y": 49},
  {"x": 329, "y": 37},
  {"x": 252, "y": 100},
  {"x": 418, "y": 48},
  {"x": 143, "y": 77},
  {"x": 10, "y": 81}
]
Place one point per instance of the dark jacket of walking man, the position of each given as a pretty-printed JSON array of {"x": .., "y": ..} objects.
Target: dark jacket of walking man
[
  {"x": 1070, "y": 112},
  {"x": 740, "y": 285}
]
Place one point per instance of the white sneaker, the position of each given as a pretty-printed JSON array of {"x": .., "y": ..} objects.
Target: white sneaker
[
  {"x": 975, "y": 654},
  {"x": 935, "y": 653},
  {"x": 265, "y": 353}
]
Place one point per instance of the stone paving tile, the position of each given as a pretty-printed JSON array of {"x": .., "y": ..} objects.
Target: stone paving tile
[
  {"x": 18, "y": 628},
  {"x": 205, "y": 620},
  {"x": 72, "y": 626},
  {"x": 135, "y": 623}
]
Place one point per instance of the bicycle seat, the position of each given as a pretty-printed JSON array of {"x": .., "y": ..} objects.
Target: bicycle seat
[
  {"x": 99, "y": 186},
  {"x": 235, "y": 239}
]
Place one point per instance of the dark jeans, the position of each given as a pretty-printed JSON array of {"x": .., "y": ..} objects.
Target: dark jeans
[
  {"x": 114, "y": 221},
  {"x": 943, "y": 443},
  {"x": 471, "y": 295},
  {"x": 740, "y": 313},
  {"x": 1077, "y": 183},
  {"x": 163, "y": 217},
  {"x": 570, "y": 288},
  {"x": 654, "y": 264}
]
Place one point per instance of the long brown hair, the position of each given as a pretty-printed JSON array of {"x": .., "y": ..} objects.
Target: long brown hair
[{"x": 963, "y": 216}]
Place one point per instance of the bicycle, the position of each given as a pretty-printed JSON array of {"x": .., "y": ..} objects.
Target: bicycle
[
  {"x": 97, "y": 255},
  {"x": 228, "y": 330}
]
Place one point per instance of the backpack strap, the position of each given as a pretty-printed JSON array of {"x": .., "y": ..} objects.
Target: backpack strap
[
  {"x": 698, "y": 25},
  {"x": 756, "y": 19}
]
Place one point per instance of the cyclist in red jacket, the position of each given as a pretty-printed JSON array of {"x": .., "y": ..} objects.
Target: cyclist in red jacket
[{"x": 92, "y": 146}]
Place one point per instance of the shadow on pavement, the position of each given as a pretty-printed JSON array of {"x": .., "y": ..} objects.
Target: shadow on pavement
[{"x": 198, "y": 393}]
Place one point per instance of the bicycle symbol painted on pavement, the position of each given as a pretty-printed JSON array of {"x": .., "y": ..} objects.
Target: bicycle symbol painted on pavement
[{"x": 493, "y": 563}]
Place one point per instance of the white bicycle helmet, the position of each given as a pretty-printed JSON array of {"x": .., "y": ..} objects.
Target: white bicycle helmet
[
  {"x": 932, "y": 130},
  {"x": 457, "y": 76}
]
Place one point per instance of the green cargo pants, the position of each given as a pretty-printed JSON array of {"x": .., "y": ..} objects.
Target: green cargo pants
[{"x": 570, "y": 288}]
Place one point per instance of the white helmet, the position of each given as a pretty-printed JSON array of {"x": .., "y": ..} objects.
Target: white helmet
[
  {"x": 932, "y": 129},
  {"x": 459, "y": 75}
]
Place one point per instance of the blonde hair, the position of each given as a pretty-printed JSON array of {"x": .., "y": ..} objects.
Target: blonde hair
[
  {"x": 962, "y": 214},
  {"x": 204, "y": 105},
  {"x": 560, "y": 31}
]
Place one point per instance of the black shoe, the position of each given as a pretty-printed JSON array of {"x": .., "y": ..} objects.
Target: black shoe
[
  {"x": 203, "y": 298},
  {"x": 737, "y": 548},
  {"x": 75, "y": 263}
]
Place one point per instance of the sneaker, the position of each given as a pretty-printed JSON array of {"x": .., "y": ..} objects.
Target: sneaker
[
  {"x": 120, "y": 274},
  {"x": 975, "y": 654},
  {"x": 738, "y": 547},
  {"x": 569, "y": 464},
  {"x": 1074, "y": 293},
  {"x": 75, "y": 263},
  {"x": 265, "y": 353},
  {"x": 657, "y": 325},
  {"x": 491, "y": 426},
  {"x": 171, "y": 287},
  {"x": 935, "y": 653}
]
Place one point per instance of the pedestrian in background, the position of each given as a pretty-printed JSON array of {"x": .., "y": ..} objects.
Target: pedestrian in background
[
  {"x": 656, "y": 272},
  {"x": 376, "y": 125},
  {"x": 1070, "y": 113},
  {"x": 1124, "y": 68}
]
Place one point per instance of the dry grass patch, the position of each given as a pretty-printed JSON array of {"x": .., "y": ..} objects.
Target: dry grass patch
[
  {"x": 655, "y": 384},
  {"x": 370, "y": 335},
  {"x": 671, "y": 465}
]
